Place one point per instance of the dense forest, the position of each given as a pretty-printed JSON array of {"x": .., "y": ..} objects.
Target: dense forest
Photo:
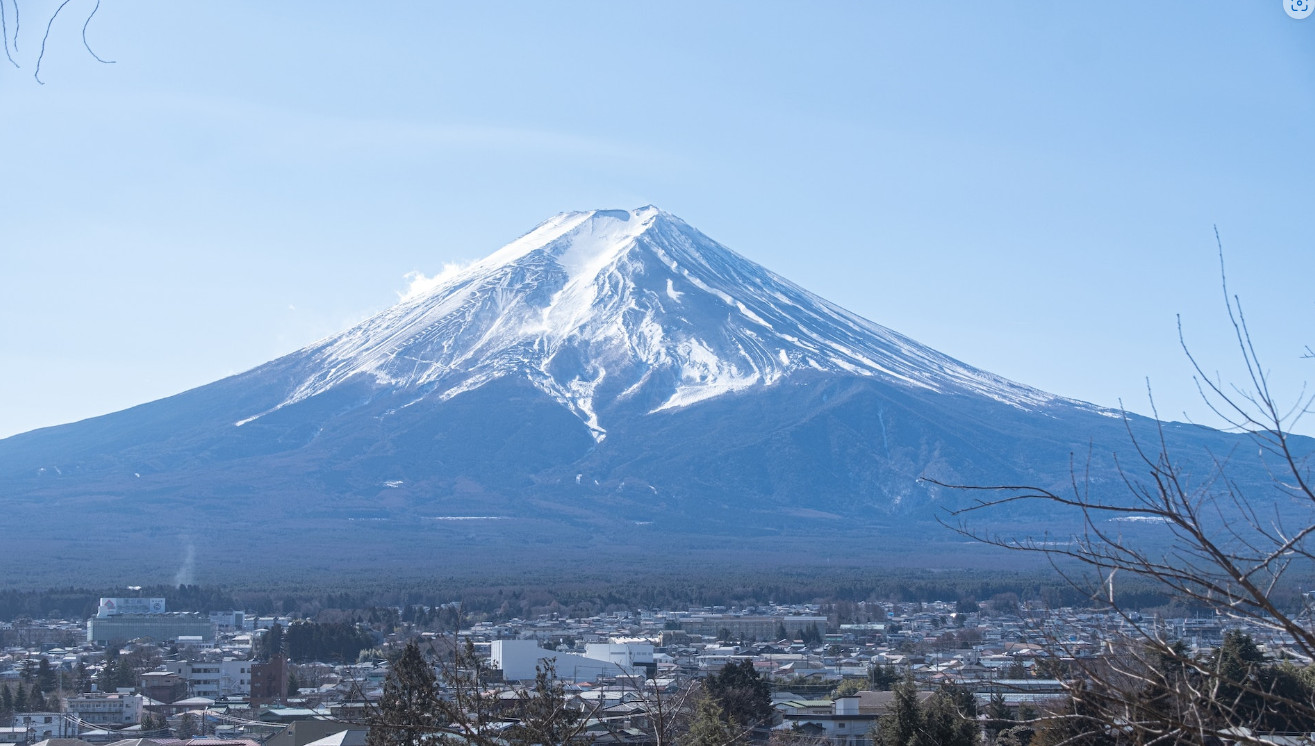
[{"x": 529, "y": 596}]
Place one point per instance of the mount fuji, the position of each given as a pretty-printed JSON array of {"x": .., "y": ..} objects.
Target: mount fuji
[
  {"x": 598, "y": 309},
  {"x": 613, "y": 383}
]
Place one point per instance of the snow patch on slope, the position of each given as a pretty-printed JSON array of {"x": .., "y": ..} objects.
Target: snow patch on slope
[{"x": 585, "y": 308}]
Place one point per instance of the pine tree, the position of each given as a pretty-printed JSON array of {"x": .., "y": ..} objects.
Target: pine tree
[
  {"x": 294, "y": 686},
  {"x": 742, "y": 694},
  {"x": 998, "y": 716},
  {"x": 20, "y": 698},
  {"x": 36, "y": 702},
  {"x": 903, "y": 724},
  {"x": 711, "y": 725},
  {"x": 154, "y": 721},
  {"x": 105, "y": 676},
  {"x": 117, "y": 675},
  {"x": 187, "y": 726},
  {"x": 408, "y": 714},
  {"x": 850, "y": 687},
  {"x": 950, "y": 718},
  {"x": 270, "y": 644},
  {"x": 883, "y": 677},
  {"x": 811, "y": 635},
  {"x": 46, "y": 680}
]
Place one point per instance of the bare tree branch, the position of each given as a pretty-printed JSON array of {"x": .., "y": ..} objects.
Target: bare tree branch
[
  {"x": 84, "y": 36},
  {"x": 4, "y": 31},
  {"x": 1223, "y": 553},
  {"x": 37, "y": 73},
  {"x": 45, "y": 38}
]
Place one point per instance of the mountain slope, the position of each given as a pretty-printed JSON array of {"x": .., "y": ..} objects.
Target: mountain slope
[
  {"x": 597, "y": 308},
  {"x": 611, "y": 377}
]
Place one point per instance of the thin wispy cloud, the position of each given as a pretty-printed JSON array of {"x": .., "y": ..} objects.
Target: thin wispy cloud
[
  {"x": 421, "y": 284},
  {"x": 286, "y": 133}
]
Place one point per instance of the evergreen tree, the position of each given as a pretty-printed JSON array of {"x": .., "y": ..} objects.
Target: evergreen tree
[
  {"x": 947, "y": 718},
  {"x": 903, "y": 724},
  {"x": 711, "y": 725},
  {"x": 46, "y": 680},
  {"x": 408, "y": 714},
  {"x": 36, "y": 702},
  {"x": 20, "y": 698},
  {"x": 998, "y": 716},
  {"x": 334, "y": 641},
  {"x": 187, "y": 726},
  {"x": 1255, "y": 694},
  {"x": 117, "y": 674},
  {"x": 83, "y": 677},
  {"x": 883, "y": 677},
  {"x": 811, "y": 635},
  {"x": 1018, "y": 735},
  {"x": 270, "y": 644},
  {"x": 6, "y": 701},
  {"x": 153, "y": 721},
  {"x": 294, "y": 686},
  {"x": 950, "y": 718},
  {"x": 850, "y": 687},
  {"x": 743, "y": 695},
  {"x": 1238, "y": 661}
]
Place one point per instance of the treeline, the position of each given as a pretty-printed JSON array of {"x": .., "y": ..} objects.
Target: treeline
[
  {"x": 81, "y": 603},
  {"x": 582, "y": 598},
  {"x": 439, "y": 603},
  {"x": 22, "y": 698},
  {"x": 38, "y": 687},
  {"x": 306, "y": 642},
  {"x": 332, "y": 642}
]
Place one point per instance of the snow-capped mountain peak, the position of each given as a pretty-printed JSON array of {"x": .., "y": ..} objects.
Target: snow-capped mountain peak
[{"x": 608, "y": 307}]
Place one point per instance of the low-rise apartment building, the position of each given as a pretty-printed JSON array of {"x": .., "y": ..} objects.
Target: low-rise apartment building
[
  {"x": 214, "y": 679},
  {"x": 104, "y": 710}
]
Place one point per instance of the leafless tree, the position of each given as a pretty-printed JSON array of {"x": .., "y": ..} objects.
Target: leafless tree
[
  {"x": 1228, "y": 548},
  {"x": 667, "y": 710},
  {"x": 445, "y": 694}
]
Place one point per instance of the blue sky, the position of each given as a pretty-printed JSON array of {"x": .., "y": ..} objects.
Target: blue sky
[{"x": 1029, "y": 188}]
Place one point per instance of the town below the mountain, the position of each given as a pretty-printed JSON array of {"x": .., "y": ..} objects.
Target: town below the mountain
[{"x": 993, "y": 672}]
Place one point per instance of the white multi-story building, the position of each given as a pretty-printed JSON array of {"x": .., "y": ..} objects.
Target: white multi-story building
[
  {"x": 40, "y": 726},
  {"x": 214, "y": 679},
  {"x": 517, "y": 659},
  {"x": 629, "y": 655},
  {"x": 104, "y": 710}
]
